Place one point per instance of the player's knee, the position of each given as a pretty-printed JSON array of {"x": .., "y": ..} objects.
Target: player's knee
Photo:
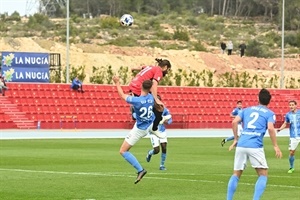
[
  {"x": 122, "y": 151},
  {"x": 164, "y": 147},
  {"x": 156, "y": 150},
  {"x": 292, "y": 153}
]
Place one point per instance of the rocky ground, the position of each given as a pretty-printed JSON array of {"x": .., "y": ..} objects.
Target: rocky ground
[{"x": 94, "y": 55}]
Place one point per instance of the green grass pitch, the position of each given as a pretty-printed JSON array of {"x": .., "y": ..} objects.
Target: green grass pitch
[{"x": 92, "y": 169}]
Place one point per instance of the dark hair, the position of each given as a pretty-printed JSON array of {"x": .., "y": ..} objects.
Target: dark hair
[
  {"x": 159, "y": 97},
  {"x": 264, "y": 97},
  {"x": 163, "y": 63},
  {"x": 293, "y": 101},
  {"x": 147, "y": 84},
  {"x": 239, "y": 101}
]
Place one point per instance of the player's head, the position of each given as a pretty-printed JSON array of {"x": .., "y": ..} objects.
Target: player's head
[
  {"x": 165, "y": 65},
  {"x": 264, "y": 97},
  {"x": 293, "y": 105},
  {"x": 146, "y": 86},
  {"x": 239, "y": 104}
]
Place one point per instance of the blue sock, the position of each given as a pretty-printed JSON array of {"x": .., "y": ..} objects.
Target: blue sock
[
  {"x": 129, "y": 157},
  {"x": 229, "y": 138},
  {"x": 232, "y": 185},
  {"x": 260, "y": 187},
  {"x": 292, "y": 159},
  {"x": 151, "y": 152},
  {"x": 163, "y": 159}
]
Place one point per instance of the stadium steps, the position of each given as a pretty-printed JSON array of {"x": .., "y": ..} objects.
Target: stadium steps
[{"x": 12, "y": 112}]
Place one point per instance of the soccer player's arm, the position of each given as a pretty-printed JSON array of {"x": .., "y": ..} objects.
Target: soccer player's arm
[
  {"x": 233, "y": 114},
  {"x": 165, "y": 113},
  {"x": 156, "y": 78},
  {"x": 235, "y": 122},
  {"x": 119, "y": 89},
  {"x": 154, "y": 89},
  {"x": 282, "y": 126},
  {"x": 273, "y": 138},
  {"x": 137, "y": 68},
  {"x": 286, "y": 121}
]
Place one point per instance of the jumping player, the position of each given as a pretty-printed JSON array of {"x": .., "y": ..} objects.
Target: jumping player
[
  {"x": 143, "y": 106},
  {"x": 155, "y": 74}
]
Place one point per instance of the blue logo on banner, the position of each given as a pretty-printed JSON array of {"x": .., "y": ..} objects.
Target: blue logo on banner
[{"x": 25, "y": 67}]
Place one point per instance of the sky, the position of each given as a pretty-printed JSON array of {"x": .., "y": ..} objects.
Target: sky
[{"x": 23, "y": 7}]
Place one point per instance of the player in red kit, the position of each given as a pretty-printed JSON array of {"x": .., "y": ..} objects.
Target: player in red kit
[{"x": 154, "y": 73}]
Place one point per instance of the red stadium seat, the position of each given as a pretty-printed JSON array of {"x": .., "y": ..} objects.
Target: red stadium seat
[{"x": 201, "y": 107}]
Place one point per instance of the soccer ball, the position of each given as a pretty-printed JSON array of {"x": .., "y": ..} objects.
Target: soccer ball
[{"x": 126, "y": 20}]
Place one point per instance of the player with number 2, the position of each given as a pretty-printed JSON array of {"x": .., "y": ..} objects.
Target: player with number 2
[{"x": 256, "y": 120}]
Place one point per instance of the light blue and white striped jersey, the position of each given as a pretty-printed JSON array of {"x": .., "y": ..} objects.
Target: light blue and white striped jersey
[
  {"x": 143, "y": 106},
  {"x": 236, "y": 111},
  {"x": 294, "y": 120},
  {"x": 161, "y": 127},
  {"x": 255, "y": 120}
]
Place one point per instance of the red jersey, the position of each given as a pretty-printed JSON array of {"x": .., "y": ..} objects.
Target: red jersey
[{"x": 147, "y": 73}]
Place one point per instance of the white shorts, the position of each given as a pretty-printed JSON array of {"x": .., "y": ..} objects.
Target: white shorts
[
  {"x": 294, "y": 142},
  {"x": 240, "y": 129},
  {"x": 136, "y": 134},
  {"x": 156, "y": 141},
  {"x": 256, "y": 157}
]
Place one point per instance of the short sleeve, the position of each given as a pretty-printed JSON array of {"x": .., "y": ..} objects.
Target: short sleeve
[
  {"x": 157, "y": 74},
  {"x": 287, "y": 118}
]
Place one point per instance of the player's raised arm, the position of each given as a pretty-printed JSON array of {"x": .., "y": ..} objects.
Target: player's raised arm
[
  {"x": 154, "y": 92},
  {"x": 120, "y": 91},
  {"x": 137, "y": 68}
]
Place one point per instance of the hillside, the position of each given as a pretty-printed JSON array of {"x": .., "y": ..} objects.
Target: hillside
[{"x": 89, "y": 55}]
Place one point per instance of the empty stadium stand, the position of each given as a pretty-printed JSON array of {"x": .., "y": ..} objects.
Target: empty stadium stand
[{"x": 55, "y": 106}]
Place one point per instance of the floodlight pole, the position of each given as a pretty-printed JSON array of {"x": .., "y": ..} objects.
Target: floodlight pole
[
  {"x": 282, "y": 47},
  {"x": 67, "y": 38}
]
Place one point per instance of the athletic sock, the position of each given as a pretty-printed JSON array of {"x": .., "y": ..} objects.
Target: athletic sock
[
  {"x": 163, "y": 159},
  {"x": 260, "y": 187},
  {"x": 232, "y": 185},
  {"x": 229, "y": 138},
  {"x": 291, "y": 160},
  {"x": 151, "y": 152},
  {"x": 129, "y": 157}
]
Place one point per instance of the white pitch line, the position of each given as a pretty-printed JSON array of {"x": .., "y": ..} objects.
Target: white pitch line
[{"x": 126, "y": 175}]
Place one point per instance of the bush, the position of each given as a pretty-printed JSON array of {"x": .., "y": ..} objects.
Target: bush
[
  {"x": 181, "y": 34},
  {"x": 110, "y": 23},
  {"x": 163, "y": 35},
  {"x": 15, "y": 16},
  {"x": 198, "y": 46},
  {"x": 155, "y": 43},
  {"x": 292, "y": 39},
  {"x": 257, "y": 49},
  {"x": 124, "y": 41},
  {"x": 192, "y": 21},
  {"x": 38, "y": 20}
]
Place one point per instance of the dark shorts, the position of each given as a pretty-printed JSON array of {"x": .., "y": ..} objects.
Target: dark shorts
[{"x": 75, "y": 87}]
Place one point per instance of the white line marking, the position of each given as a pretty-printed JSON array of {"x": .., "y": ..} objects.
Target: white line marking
[{"x": 127, "y": 175}]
